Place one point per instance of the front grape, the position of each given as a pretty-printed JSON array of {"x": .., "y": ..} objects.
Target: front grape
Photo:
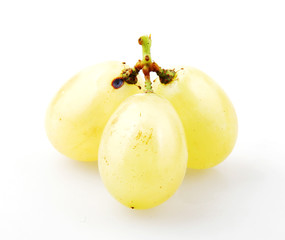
[{"x": 143, "y": 152}]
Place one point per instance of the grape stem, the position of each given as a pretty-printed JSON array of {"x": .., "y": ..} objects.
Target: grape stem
[
  {"x": 146, "y": 65},
  {"x": 165, "y": 75},
  {"x": 145, "y": 42}
]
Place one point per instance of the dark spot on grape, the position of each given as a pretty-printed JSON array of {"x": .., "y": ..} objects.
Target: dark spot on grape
[
  {"x": 106, "y": 161},
  {"x": 115, "y": 120},
  {"x": 132, "y": 207},
  {"x": 139, "y": 135},
  {"x": 146, "y": 58},
  {"x": 117, "y": 83},
  {"x": 123, "y": 62},
  {"x": 149, "y": 137},
  {"x": 139, "y": 87}
]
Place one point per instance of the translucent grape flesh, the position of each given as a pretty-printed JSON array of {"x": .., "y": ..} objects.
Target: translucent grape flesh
[
  {"x": 78, "y": 113},
  {"x": 143, "y": 153},
  {"x": 207, "y": 114}
]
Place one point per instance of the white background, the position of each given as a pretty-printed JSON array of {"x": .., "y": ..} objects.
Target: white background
[{"x": 241, "y": 44}]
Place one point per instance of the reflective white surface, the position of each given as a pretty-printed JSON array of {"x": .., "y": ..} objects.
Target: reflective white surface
[{"x": 44, "y": 195}]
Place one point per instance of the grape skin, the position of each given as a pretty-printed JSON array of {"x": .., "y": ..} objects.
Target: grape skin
[
  {"x": 207, "y": 114},
  {"x": 77, "y": 115},
  {"x": 143, "y": 152}
]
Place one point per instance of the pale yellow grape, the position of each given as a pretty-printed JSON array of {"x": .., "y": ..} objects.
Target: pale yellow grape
[
  {"x": 143, "y": 152},
  {"x": 78, "y": 113},
  {"x": 207, "y": 114}
]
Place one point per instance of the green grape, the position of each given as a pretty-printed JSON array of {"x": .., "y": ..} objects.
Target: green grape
[
  {"x": 143, "y": 154},
  {"x": 78, "y": 113},
  {"x": 208, "y": 117}
]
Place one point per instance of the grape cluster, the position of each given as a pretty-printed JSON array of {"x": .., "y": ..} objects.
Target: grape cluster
[{"x": 143, "y": 138}]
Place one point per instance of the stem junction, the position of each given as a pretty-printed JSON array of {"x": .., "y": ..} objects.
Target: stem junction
[{"x": 146, "y": 65}]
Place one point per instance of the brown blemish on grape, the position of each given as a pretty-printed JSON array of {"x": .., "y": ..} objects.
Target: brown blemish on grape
[
  {"x": 131, "y": 204},
  {"x": 106, "y": 161},
  {"x": 114, "y": 121},
  {"x": 115, "y": 87},
  {"x": 138, "y": 135},
  {"x": 140, "y": 87},
  {"x": 149, "y": 137},
  {"x": 123, "y": 62},
  {"x": 145, "y": 138},
  {"x": 146, "y": 58}
]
